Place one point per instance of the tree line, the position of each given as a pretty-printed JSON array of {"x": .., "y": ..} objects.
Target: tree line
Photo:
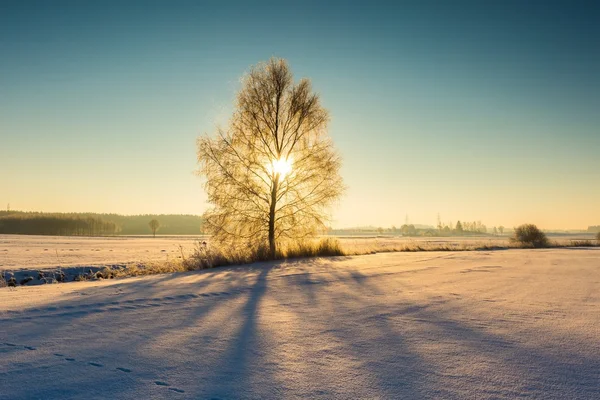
[
  {"x": 465, "y": 228},
  {"x": 25, "y": 224},
  {"x": 93, "y": 224},
  {"x": 449, "y": 229}
]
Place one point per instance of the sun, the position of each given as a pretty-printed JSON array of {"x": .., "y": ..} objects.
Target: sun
[{"x": 282, "y": 167}]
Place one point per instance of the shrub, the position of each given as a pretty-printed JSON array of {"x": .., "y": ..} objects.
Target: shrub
[
  {"x": 598, "y": 237},
  {"x": 529, "y": 235}
]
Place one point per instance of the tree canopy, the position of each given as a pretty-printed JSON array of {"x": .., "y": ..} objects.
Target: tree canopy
[{"x": 273, "y": 173}]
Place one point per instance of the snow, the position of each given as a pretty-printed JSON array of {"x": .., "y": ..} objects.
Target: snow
[
  {"x": 501, "y": 324},
  {"x": 18, "y": 252}
]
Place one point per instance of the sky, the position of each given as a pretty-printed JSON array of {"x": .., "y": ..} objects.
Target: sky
[{"x": 471, "y": 110}]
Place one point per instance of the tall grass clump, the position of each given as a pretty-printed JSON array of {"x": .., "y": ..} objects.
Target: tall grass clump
[
  {"x": 204, "y": 256},
  {"x": 582, "y": 243},
  {"x": 529, "y": 235},
  {"x": 327, "y": 247},
  {"x": 209, "y": 256}
]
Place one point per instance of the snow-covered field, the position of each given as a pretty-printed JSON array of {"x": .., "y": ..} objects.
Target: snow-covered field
[
  {"x": 37, "y": 252},
  {"x": 25, "y": 252},
  {"x": 502, "y": 324}
]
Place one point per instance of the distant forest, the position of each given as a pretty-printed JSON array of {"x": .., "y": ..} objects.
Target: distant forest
[
  {"x": 92, "y": 224},
  {"x": 460, "y": 229}
]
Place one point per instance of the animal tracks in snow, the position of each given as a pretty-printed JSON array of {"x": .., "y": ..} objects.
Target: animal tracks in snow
[
  {"x": 484, "y": 268},
  {"x": 81, "y": 310},
  {"x": 130, "y": 305},
  {"x": 94, "y": 364},
  {"x": 17, "y": 346},
  {"x": 161, "y": 383}
]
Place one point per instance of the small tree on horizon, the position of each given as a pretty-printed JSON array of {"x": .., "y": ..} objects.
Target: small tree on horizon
[
  {"x": 154, "y": 225},
  {"x": 459, "y": 228},
  {"x": 273, "y": 173},
  {"x": 408, "y": 230},
  {"x": 501, "y": 229}
]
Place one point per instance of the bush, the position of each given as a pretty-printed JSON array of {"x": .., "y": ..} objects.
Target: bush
[
  {"x": 529, "y": 235},
  {"x": 598, "y": 237}
]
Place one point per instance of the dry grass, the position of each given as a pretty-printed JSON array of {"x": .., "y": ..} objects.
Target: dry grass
[
  {"x": 361, "y": 247},
  {"x": 143, "y": 269},
  {"x": 414, "y": 246},
  {"x": 575, "y": 243},
  {"x": 326, "y": 247},
  {"x": 205, "y": 256}
]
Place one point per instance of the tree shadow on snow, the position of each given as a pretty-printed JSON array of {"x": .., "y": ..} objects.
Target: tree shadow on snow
[{"x": 276, "y": 330}]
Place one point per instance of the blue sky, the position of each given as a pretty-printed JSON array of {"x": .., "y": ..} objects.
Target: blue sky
[{"x": 474, "y": 110}]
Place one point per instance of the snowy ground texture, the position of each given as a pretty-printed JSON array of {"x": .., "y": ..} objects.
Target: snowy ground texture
[
  {"x": 28, "y": 252},
  {"x": 503, "y": 324}
]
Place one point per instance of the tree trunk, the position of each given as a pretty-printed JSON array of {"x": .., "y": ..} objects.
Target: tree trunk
[{"x": 272, "y": 245}]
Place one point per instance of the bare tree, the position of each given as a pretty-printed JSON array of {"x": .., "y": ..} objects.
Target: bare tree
[
  {"x": 154, "y": 225},
  {"x": 273, "y": 173}
]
